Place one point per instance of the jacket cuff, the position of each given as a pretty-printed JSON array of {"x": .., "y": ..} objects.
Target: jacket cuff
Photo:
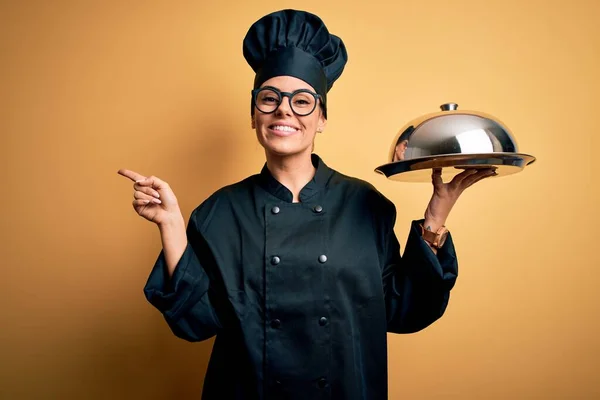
[
  {"x": 444, "y": 265},
  {"x": 170, "y": 295}
]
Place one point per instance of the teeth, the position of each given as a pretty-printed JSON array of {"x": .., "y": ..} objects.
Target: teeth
[{"x": 284, "y": 128}]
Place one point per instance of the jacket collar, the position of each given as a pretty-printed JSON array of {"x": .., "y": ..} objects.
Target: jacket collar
[{"x": 315, "y": 185}]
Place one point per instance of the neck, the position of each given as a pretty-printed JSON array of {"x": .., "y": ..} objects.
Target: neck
[{"x": 292, "y": 171}]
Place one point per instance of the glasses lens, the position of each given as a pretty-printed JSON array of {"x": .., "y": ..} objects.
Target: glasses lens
[
  {"x": 303, "y": 103},
  {"x": 267, "y": 100}
]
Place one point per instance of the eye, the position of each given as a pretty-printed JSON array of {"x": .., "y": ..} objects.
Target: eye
[
  {"x": 268, "y": 97},
  {"x": 303, "y": 100}
]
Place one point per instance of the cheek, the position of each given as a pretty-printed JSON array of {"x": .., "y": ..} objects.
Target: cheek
[
  {"x": 259, "y": 122},
  {"x": 310, "y": 124}
]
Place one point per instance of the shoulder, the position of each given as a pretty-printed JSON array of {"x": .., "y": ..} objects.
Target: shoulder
[
  {"x": 218, "y": 205},
  {"x": 361, "y": 190}
]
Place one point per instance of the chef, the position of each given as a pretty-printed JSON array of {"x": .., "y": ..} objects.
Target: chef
[{"x": 296, "y": 270}]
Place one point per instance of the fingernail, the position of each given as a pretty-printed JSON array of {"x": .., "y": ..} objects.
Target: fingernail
[
  {"x": 146, "y": 201},
  {"x": 156, "y": 195},
  {"x": 157, "y": 201}
]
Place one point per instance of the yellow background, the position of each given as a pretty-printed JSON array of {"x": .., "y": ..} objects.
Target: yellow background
[{"x": 162, "y": 88}]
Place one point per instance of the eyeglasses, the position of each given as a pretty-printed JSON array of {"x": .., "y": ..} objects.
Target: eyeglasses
[{"x": 302, "y": 101}]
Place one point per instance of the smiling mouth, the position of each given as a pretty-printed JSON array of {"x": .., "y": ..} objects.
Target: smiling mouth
[{"x": 283, "y": 129}]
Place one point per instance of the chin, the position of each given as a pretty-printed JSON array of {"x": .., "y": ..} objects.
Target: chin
[
  {"x": 285, "y": 149},
  {"x": 282, "y": 152}
]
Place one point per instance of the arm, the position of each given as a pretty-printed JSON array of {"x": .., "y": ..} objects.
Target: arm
[
  {"x": 179, "y": 286},
  {"x": 174, "y": 242},
  {"x": 416, "y": 285}
]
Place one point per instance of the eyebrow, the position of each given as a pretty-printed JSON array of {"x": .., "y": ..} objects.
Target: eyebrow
[{"x": 283, "y": 91}]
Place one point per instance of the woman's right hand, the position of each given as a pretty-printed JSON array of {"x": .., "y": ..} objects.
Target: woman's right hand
[{"x": 153, "y": 198}]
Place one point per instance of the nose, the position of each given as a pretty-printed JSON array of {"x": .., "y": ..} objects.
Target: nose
[{"x": 284, "y": 108}]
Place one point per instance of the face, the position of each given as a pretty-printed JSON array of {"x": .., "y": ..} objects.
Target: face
[
  {"x": 283, "y": 133},
  {"x": 400, "y": 150}
]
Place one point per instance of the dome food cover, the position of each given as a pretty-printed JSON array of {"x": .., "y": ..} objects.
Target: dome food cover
[{"x": 452, "y": 140}]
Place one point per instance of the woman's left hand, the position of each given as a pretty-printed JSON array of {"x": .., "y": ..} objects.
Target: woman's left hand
[{"x": 445, "y": 194}]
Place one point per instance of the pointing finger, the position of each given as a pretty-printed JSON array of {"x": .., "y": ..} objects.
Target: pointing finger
[{"x": 134, "y": 176}]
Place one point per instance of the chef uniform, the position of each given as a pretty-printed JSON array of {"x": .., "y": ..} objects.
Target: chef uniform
[{"x": 300, "y": 295}]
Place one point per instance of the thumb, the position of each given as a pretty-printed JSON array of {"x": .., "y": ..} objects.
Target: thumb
[
  {"x": 436, "y": 177},
  {"x": 153, "y": 182}
]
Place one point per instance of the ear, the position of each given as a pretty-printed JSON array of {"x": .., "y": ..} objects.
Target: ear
[{"x": 322, "y": 124}]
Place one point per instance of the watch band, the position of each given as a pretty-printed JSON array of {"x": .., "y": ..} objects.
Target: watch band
[{"x": 435, "y": 239}]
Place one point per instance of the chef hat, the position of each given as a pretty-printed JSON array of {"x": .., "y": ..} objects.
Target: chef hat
[{"x": 298, "y": 44}]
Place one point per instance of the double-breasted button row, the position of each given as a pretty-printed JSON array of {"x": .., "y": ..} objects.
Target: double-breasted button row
[
  {"x": 276, "y": 260},
  {"x": 276, "y": 210}
]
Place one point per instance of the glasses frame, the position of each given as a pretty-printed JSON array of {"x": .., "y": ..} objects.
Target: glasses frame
[{"x": 289, "y": 95}]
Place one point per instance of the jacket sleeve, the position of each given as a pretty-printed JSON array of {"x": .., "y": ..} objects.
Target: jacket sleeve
[
  {"x": 186, "y": 300},
  {"x": 417, "y": 284}
]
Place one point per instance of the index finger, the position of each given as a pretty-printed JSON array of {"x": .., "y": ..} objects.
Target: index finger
[{"x": 134, "y": 176}]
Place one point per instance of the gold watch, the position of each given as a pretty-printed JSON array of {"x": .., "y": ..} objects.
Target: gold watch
[{"x": 435, "y": 239}]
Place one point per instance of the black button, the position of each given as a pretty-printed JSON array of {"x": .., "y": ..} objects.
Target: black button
[
  {"x": 322, "y": 383},
  {"x": 275, "y": 324},
  {"x": 318, "y": 209},
  {"x": 275, "y": 210},
  {"x": 323, "y": 321},
  {"x": 275, "y": 260},
  {"x": 322, "y": 258}
]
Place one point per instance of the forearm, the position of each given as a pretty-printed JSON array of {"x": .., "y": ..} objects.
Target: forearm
[
  {"x": 418, "y": 285},
  {"x": 174, "y": 241}
]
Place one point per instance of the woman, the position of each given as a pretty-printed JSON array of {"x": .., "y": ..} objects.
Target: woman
[{"x": 297, "y": 270}]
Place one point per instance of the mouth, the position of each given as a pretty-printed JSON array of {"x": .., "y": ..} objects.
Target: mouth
[{"x": 283, "y": 129}]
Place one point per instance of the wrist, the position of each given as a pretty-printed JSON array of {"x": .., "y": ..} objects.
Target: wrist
[
  {"x": 432, "y": 224},
  {"x": 435, "y": 238},
  {"x": 171, "y": 223}
]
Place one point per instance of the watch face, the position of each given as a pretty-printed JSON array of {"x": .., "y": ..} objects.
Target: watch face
[{"x": 443, "y": 237}]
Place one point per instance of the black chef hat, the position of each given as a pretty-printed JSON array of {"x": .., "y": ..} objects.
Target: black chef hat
[{"x": 298, "y": 44}]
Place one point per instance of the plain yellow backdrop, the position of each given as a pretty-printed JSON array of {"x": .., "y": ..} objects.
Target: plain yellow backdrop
[{"x": 162, "y": 88}]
